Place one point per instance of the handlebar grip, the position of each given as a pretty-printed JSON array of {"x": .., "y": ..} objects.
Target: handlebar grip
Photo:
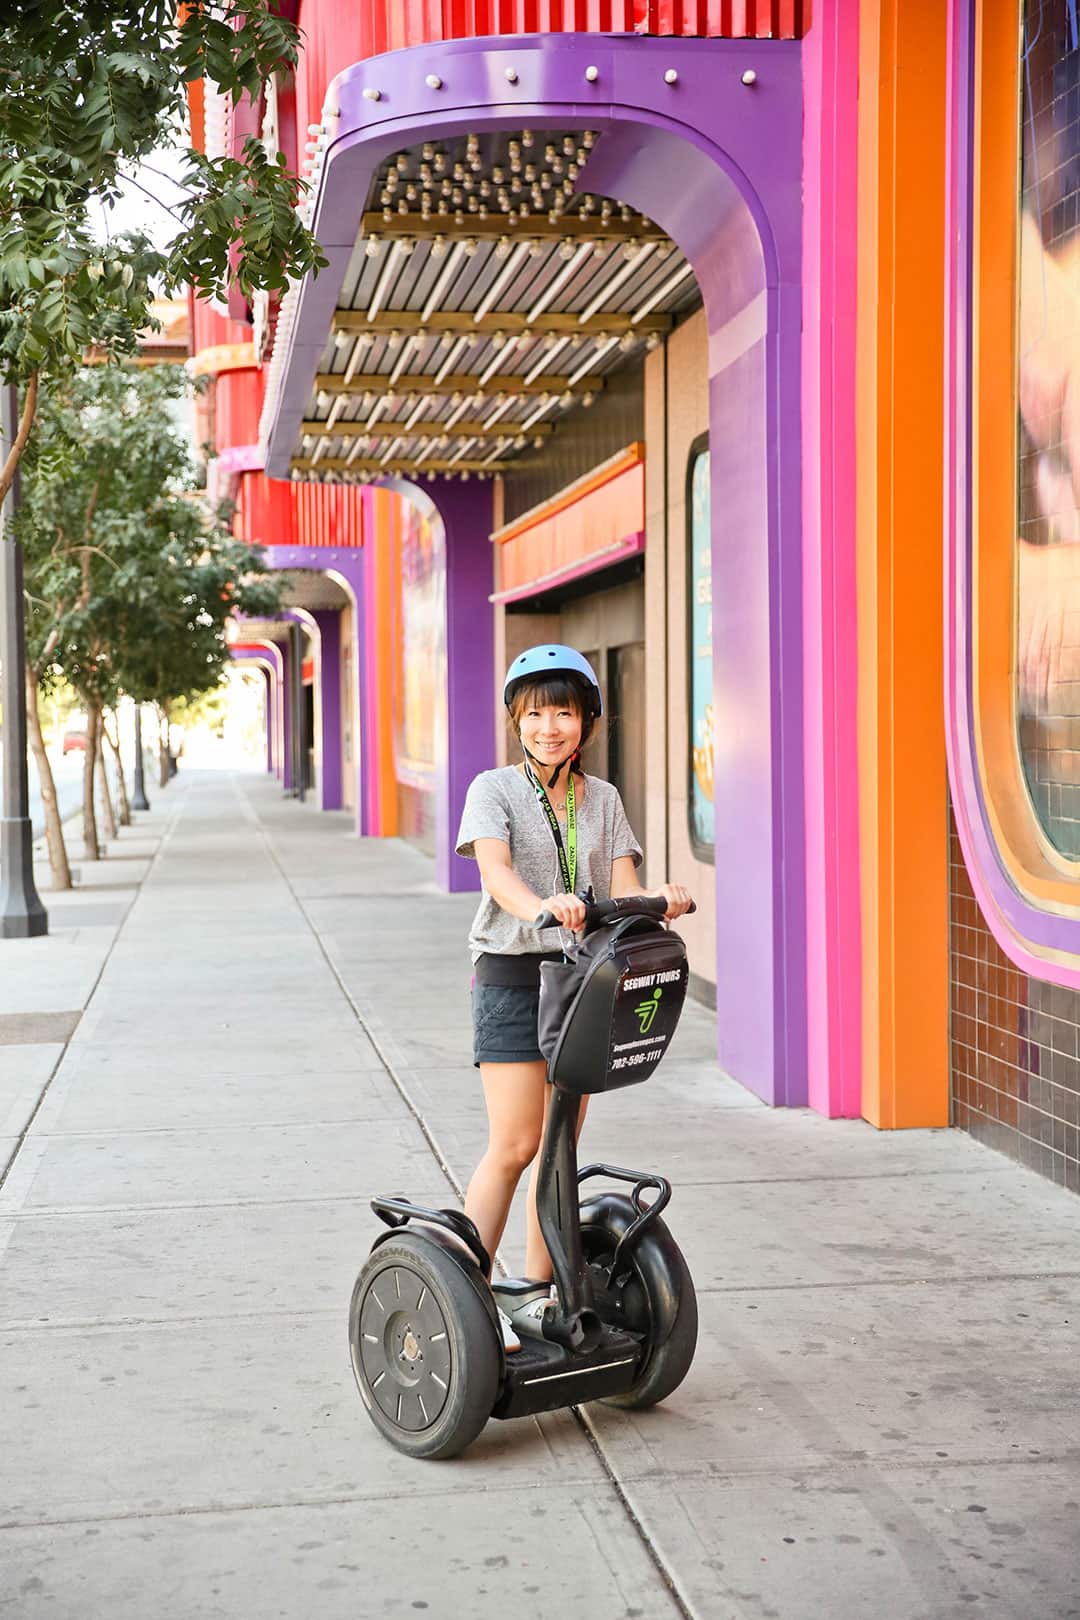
[
  {"x": 650, "y": 905},
  {"x": 654, "y": 905}
]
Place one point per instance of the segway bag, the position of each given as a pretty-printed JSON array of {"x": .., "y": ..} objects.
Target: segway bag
[{"x": 607, "y": 1013}]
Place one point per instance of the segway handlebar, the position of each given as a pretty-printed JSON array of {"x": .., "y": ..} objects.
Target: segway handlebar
[{"x": 598, "y": 912}]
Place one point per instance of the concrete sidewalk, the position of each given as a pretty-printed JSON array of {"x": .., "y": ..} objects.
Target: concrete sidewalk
[
  {"x": 882, "y": 1419},
  {"x": 46, "y": 983}
]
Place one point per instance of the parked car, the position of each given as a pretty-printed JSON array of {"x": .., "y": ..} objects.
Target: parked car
[{"x": 74, "y": 740}]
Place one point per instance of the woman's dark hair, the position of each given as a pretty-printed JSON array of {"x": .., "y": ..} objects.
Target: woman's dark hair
[{"x": 562, "y": 691}]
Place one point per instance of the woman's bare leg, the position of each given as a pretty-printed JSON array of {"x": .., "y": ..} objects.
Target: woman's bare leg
[
  {"x": 514, "y": 1094},
  {"x": 537, "y": 1259}
]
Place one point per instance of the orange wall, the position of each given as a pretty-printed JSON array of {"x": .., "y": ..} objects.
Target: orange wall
[
  {"x": 903, "y": 834},
  {"x": 607, "y": 508}
]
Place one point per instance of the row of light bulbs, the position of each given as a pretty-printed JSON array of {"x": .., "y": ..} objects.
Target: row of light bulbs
[
  {"x": 388, "y": 430},
  {"x": 479, "y": 398},
  {"x": 439, "y": 245},
  {"x": 448, "y": 338},
  {"x": 499, "y": 340},
  {"x": 332, "y": 475}
]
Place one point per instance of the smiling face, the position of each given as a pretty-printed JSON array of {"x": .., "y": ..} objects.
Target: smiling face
[{"x": 549, "y": 722}]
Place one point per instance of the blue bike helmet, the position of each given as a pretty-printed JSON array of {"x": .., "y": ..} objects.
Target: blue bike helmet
[{"x": 536, "y": 663}]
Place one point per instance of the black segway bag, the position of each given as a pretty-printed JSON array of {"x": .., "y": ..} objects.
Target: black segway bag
[{"x": 607, "y": 1014}]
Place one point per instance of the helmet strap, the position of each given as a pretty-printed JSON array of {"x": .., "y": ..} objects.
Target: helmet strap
[{"x": 572, "y": 762}]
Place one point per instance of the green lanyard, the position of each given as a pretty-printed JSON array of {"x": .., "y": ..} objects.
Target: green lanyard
[{"x": 568, "y": 855}]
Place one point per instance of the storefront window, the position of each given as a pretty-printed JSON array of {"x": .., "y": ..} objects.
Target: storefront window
[
  {"x": 423, "y": 610},
  {"x": 1048, "y": 519},
  {"x": 699, "y": 589}
]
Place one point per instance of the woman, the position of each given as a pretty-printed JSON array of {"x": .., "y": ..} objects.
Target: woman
[{"x": 543, "y": 833}]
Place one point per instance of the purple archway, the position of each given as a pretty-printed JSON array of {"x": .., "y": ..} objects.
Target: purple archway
[
  {"x": 266, "y": 655},
  {"x": 345, "y": 565},
  {"x": 705, "y": 136}
]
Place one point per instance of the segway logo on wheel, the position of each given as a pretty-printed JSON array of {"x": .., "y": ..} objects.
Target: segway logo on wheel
[{"x": 646, "y": 1010}]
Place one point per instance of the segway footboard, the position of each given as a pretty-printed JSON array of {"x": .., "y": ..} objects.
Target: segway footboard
[{"x": 541, "y": 1376}]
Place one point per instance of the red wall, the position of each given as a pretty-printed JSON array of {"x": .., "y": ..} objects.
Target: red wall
[
  {"x": 209, "y": 328},
  {"x": 238, "y": 397},
  {"x": 340, "y": 32},
  {"x": 270, "y": 512}
]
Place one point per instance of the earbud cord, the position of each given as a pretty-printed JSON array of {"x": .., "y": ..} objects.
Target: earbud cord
[{"x": 572, "y": 762}]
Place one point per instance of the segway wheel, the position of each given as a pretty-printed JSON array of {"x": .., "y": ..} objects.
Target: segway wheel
[
  {"x": 424, "y": 1349},
  {"x": 657, "y": 1300}
]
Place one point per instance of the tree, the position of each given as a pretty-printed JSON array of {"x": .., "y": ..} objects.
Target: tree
[
  {"x": 129, "y": 576},
  {"x": 170, "y": 637},
  {"x": 86, "y": 90}
]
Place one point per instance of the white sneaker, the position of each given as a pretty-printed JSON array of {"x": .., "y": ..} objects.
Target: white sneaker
[
  {"x": 530, "y": 1318},
  {"x": 510, "y": 1339}
]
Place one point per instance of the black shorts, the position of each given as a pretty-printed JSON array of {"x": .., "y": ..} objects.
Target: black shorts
[{"x": 504, "y": 1024}]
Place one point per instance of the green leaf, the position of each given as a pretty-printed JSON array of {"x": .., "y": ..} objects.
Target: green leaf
[{"x": 86, "y": 90}]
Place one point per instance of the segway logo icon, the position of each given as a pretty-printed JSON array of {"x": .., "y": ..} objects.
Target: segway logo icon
[{"x": 646, "y": 1010}]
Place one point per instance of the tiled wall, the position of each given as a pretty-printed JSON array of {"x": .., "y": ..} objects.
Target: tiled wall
[
  {"x": 416, "y": 817},
  {"x": 1015, "y": 1045}
]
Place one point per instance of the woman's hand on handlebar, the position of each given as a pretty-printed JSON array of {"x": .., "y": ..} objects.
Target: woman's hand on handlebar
[
  {"x": 678, "y": 898},
  {"x": 568, "y": 911}
]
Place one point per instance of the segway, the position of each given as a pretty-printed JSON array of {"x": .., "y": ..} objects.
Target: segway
[{"x": 423, "y": 1328}]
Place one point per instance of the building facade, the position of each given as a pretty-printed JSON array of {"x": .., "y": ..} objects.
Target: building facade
[{"x": 714, "y": 340}]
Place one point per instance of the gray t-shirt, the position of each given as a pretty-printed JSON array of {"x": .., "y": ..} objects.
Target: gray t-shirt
[{"x": 503, "y": 804}]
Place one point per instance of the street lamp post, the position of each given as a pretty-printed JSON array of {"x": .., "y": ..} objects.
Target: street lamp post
[
  {"x": 139, "y": 800},
  {"x": 22, "y": 915}
]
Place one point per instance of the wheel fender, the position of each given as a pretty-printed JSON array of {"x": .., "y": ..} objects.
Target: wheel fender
[
  {"x": 656, "y": 1256},
  {"x": 436, "y": 1237}
]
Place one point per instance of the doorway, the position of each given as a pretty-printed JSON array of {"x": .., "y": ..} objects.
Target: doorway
[{"x": 626, "y": 729}]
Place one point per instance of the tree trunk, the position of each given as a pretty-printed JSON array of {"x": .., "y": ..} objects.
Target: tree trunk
[
  {"x": 90, "y": 834},
  {"x": 163, "y": 748},
  {"x": 123, "y": 803},
  {"x": 26, "y": 422},
  {"x": 54, "y": 828},
  {"x": 103, "y": 782}
]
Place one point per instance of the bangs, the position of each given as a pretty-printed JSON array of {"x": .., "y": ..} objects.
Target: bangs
[{"x": 557, "y": 692}]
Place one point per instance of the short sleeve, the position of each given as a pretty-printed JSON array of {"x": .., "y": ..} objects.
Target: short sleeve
[
  {"x": 623, "y": 841},
  {"x": 485, "y": 815}
]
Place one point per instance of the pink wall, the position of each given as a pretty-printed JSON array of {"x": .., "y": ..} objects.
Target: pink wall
[{"x": 834, "y": 962}]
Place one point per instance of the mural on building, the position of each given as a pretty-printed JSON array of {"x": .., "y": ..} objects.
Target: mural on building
[
  {"x": 422, "y": 630},
  {"x": 1014, "y": 1034},
  {"x": 1048, "y": 540}
]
